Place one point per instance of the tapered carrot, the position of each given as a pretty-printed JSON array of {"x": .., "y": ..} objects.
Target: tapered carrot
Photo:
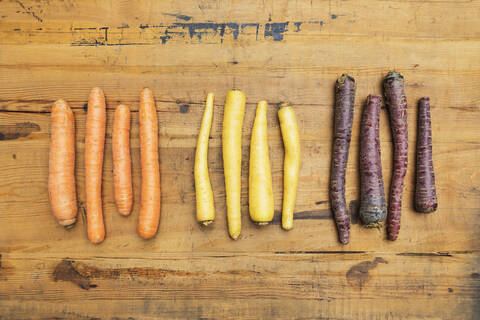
[
  {"x": 203, "y": 187},
  {"x": 260, "y": 191},
  {"x": 94, "y": 147},
  {"x": 291, "y": 164},
  {"x": 122, "y": 163},
  {"x": 150, "y": 198},
  {"x": 61, "y": 177},
  {"x": 343, "y": 118},
  {"x": 425, "y": 190},
  {"x": 396, "y": 101},
  {"x": 233, "y": 115}
]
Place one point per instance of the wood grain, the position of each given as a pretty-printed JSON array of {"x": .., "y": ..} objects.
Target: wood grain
[{"x": 274, "y": 50}]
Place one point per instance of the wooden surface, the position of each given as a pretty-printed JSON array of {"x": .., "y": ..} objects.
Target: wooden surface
[{"x": 273, "y": 50}]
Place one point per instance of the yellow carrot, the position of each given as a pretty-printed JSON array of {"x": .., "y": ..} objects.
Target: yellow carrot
[
  {"x": 203, "y": 188},
  {"x": 291, "y": 165},
  {"x": 260, "y": 176},
  {"x": 232, "y": 158}
]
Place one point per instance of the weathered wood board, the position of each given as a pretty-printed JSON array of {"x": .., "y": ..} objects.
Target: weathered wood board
[{"x": 274, "y": 50}]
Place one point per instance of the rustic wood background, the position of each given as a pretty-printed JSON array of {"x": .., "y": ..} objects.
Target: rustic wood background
[{"x": 275, "y": 50}]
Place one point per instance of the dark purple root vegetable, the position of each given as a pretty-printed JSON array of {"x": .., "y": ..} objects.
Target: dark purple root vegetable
[
  {"x": 425, "y": 191},
  {"x": 373, "y": 206},
  {"x": 396, "y": 102},
  {"x": 344, "y": 101}
]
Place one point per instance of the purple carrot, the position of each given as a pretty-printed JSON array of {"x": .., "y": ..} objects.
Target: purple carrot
[
  {"x": 373, "y": 206},
  {"x": 425, "y": 191},
  {"x": 396, "y": 102},
  {"x": 343, "y": 118}
]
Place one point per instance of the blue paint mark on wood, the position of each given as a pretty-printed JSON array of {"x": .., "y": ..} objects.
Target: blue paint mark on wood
[
  {"x": 179, "y": 16},
  {"x": 275, "y": 30},
  {"x": 297, "y": 26}
]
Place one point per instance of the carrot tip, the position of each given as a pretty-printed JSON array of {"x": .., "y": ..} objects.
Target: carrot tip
[
  {"x": 377, "y": 225},
  {"x": 68, "y": 223},
  {"x": 206, "y": 222}
]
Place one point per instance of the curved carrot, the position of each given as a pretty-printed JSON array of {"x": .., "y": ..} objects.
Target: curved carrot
[
  {"x": 291, "y": 164},
  {"x": 394, "y": 87},
  {"x": 94, "y": 146},
  {"x": 150, "y": 199},
  {"x": 343, "y": 118},
  {"x": 61, "y": 175},
  {"x": 203, "y": 187},
  {"x": 122, "y": 163}
]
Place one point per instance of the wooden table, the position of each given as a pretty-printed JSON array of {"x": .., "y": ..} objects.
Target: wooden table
[{"x": 274, "y": 50}]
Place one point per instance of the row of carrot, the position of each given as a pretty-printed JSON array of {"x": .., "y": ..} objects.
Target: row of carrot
[
  {"x": 61, "y": 183},
  {"x": 373, "y": 208},
  {"x": 260, "y": 191}
]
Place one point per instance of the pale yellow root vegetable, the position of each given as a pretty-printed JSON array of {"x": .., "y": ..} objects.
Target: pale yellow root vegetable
[
  {"x": 232, "y": 158},
  {"x": 291, "y": 166},
  {"x": 203, "y": 187},
  {"x": 260, "y": 176}
]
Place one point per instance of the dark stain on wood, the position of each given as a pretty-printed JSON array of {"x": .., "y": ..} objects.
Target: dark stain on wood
[
  {"x": 320, "y": 252},
  {"x": 14, "y": 156},
  {"x": 359, "y": 275},
  {"x": 179, "y": 16},
  {"x": 475, "y": 275},
  {"x": 320, "y": 214},
  {"x": 425, "y": 254},
  {"x": 29, "y": 11},
  {"x": 82, "y": 274},
  {"x": 320, "y": 202},
  {"x": 19, "y": 130},
  {"x": 184, "y": 108},
  {"x": 353, "y": 210},
  {"x": 85, "y": 107},
  {"x": 65, "y": 271}
]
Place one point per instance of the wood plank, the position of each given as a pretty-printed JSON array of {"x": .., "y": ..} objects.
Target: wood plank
[
  {"x": 354, "y": 282},
  {"x": 61, "y": 21}
]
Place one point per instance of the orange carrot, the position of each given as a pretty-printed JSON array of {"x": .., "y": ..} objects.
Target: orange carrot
[
  {"x": 61, "y": 177},
  {"x": 150, "y": 199},
  {"x": 122, "y": 163},
  {"x": 94, "y": 145}
]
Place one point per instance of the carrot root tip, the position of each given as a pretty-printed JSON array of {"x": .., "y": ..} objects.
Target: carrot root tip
[{"x": 206, "y": 222}]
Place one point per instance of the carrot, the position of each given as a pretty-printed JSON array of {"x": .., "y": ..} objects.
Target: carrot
[
  {"x": 94, "y": 146},
  {"x": 291, "y": 164},
  {"x": 373, "y": 206},
  {"x": 61, "y": 175},
  {"x": 425, "y": 191},
  {"x": 232, "y": 158},
  {"x": 396, "y": 102},
  {"x": 260, "y": 176},
  {"x": 344, "y": 102},
  {"x": 149, "y": 217},
  {"x": 203, "y": 187},
  {"x": 122, "y": 163}
]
